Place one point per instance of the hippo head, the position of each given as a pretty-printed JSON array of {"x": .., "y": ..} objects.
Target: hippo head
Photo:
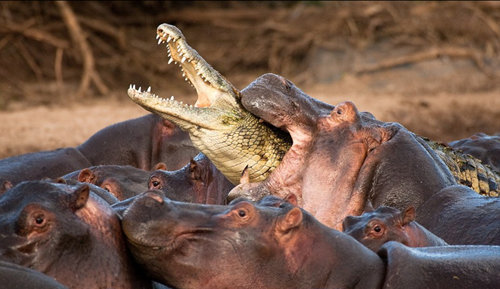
[
  {"x": 197, "y": 182},
  {"x": 375, "y": 228},
  {"x": 209, "y": 246},
  {"x": 34, "y": 226}
]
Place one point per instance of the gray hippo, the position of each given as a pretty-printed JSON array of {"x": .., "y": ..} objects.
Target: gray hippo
[
  {"x": 68, "y": 233},
  {"x": 273, "y": 245},
  {"x": 341, "y": 159},
  {"x": 14, "y": 276},
  {"x": 199, "y": 181},
  {"x": 141, "y": 142},
  {"x": 482, "y": 146},
  {"x": 384, "y": 224}
]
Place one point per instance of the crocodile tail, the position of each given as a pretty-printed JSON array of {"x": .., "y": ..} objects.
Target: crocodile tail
[{"x": 468, "y": 170}]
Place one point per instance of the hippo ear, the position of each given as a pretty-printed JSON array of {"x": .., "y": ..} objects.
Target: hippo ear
[
  {"x": 87, "y": 176},
  {"x": 160, "y": 166},
  {"x": 409, "y": 215},
  {"x": 292, "y": 220},
  {"x": 245, "y": 176},
  {"x": 79, "y": 197},
  {"x": 60, "y": 180},
  {"x": 195, "y": 170},
  {"x": 6, "y": 185},
  {"x": 292, "y": 199}
]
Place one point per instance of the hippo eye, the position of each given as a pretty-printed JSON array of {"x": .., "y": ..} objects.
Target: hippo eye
[
  {"x": 242, "y": 213},
  {"x": 377, "y": 229},
  {"x": 40, "y": 220},
  {"x": 339, "y": 111}
]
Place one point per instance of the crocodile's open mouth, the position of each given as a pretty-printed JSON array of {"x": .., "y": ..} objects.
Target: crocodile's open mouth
[{"x": 210, "y": 85}]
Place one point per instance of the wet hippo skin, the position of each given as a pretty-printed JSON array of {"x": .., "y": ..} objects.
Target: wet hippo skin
[
  {"x": 341, "y": 158},
  {"x": 460, "y": 216},
  {"x": 384, "y": 224},
  {"x": 13, "y": 276},
  {"x": 457, "y": 267},
  {"x": 243, "y": 245},
  {"x": 60, "y": 229}
]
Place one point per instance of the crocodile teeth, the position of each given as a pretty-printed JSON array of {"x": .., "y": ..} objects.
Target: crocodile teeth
[
  {"x": 172, "y": 97},
  {"x": 169, "y": 38},
  {"x": 170, "y": 60},
  {"x": 183, "y": 59},
  {"x": 159, "y": 41},
  {"x": 139, "y": 89},
  {"x": 149, "y": 89},
  {"x": 133, "y": 86},
  {"x": 157, "y": 36}
]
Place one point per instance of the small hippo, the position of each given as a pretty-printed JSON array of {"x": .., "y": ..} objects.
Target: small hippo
[
  {"x": 244, "y": 245},
  {"x": 14, "y": 276},
  {"x": 197, "y": 182},
  {"x": 341, "y": 158},
  {"x": 460, "y": 216},
  {"x": 482, "y": 146},
  {"x": 277, "y": 245},
  {"x": 375, "y": 228},
  {"x": 122, "y": 181},
  {"x": 68, "y": 233}
]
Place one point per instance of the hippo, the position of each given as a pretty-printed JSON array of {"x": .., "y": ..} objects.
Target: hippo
[
  {"x": 440, "y": 266},
  {"x": 15, "y": 276},
  {"x": 460, "y": 216},
  {"x": 141, "y": 142},
  {"x": 187, "y": 245},
  {"x": 197, "y": 182},
  {"x": 340, "y": 159},
  {"x": 122, "y": 181},
  {"x": 273, "y": 244},
  {"x": 482, "y": 146},
  {"x": 59, "y": 229},
  {"x": 384, "y": 224}
]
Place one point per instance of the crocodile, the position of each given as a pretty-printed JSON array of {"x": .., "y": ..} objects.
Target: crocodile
[{"x": 233, "y": 138}]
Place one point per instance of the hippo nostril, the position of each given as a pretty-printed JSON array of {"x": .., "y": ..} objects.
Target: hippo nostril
[{"x": 153, "y": 199}]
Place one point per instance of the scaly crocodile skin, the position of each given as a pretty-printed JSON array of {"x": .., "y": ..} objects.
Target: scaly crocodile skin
[{"x": 232, "y": 138}]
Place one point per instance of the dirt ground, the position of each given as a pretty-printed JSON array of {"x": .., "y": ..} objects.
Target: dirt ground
[{"x": 438, "y": 76}]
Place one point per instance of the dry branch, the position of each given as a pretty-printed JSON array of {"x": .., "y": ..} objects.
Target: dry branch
[
  {"x": 89, "y": 72},
  {"x": 427, "y": 55}
]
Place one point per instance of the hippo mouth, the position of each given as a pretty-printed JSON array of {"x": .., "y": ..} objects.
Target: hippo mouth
[{"x": 171, "y": 245}]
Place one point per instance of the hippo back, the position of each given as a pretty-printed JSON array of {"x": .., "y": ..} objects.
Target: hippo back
[{"x": 441, "y": 267}]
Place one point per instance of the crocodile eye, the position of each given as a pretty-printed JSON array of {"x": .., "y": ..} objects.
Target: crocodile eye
[{"x": 242, "y": 213}]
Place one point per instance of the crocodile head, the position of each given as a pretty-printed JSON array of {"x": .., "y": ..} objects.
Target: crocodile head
[{"x": 219, "y": 126}]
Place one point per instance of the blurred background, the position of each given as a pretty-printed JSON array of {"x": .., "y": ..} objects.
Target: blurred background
[{"x": 65, "y": 66}]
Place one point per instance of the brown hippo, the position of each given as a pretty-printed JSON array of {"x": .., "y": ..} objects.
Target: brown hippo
[
  {"x": 187, "y": 245},
  {"x": 14, "y": 276},
  {"x": 460, "y": 216},
  {"x": 197, "y": 182},
  {"x": 141, "y": 142},
  {"x": 482, "y": 146},
  {"x": 122, "y": 181},
  {"x": 68, "y": 233},
  {"x": 340, "y": 158},
  {"x": 375, "y": 228},
  {"x": 277, "y": 245}
]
